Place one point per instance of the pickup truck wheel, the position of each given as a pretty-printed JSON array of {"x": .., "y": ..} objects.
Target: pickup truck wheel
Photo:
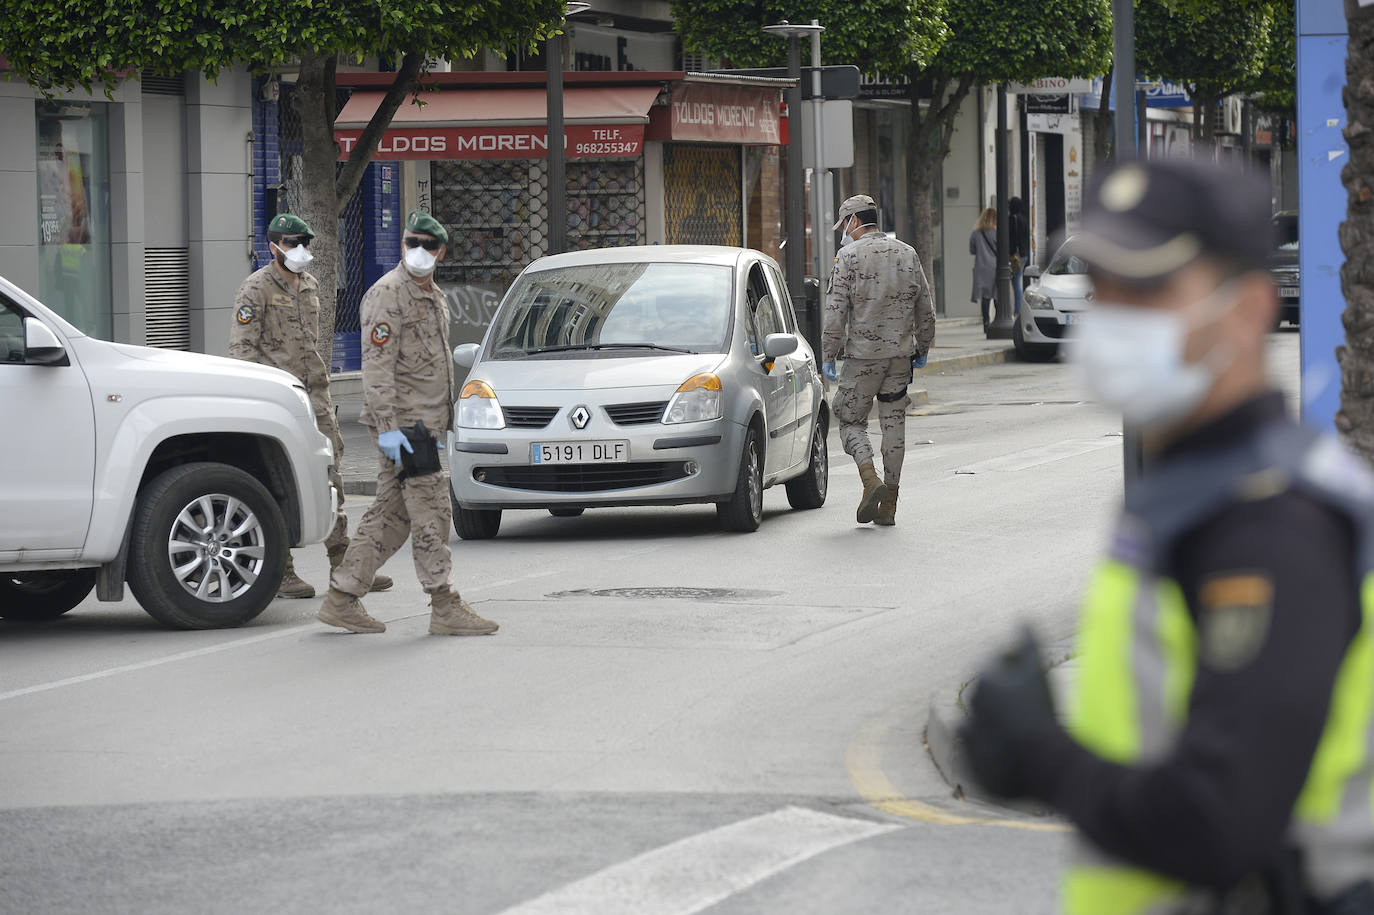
[
  {"x": 208, "y": 548},
  {"x": 31, "y": 597},
  {"x": 474, "y": 523}
]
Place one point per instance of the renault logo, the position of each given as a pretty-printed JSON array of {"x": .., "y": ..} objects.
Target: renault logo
[{"x": 580, "y": 416}]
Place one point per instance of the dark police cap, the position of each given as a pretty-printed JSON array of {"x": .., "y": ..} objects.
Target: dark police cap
[
  {"x": 1143, "y": 221},
  {"x": 289, "y": 224},
  {"x": 422, "y": 223}
]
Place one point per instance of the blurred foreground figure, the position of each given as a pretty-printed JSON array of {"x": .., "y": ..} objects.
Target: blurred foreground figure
[{"x": 1220, "y": 751}]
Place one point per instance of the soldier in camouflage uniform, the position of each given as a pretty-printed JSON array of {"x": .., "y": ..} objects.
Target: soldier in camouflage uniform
[
  {"x": 407, "y": 378},
  {"x": 879, "y": 317},
  {"x": 276, "y": 323}
]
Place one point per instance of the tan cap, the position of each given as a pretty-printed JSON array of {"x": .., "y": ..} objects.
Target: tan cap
[{"x": 856, "y": 204}]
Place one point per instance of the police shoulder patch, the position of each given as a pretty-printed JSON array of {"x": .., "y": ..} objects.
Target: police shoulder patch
[
  {"x": 1235, "y": 613},
  {"x": 381, "y": 333},
  {"x": 245, "y": 314}
]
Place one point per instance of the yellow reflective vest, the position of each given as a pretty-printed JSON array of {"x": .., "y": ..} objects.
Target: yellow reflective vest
[{"x": 1137, "y": 650}]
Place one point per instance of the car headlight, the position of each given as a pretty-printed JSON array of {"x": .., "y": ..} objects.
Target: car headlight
[
  {"x": 478, "y": 407},
  {"x": 698, "y": 398},
  {"x": 1038, "y": 300}
]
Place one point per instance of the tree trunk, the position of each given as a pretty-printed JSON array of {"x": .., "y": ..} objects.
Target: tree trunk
[
  {"x": 1355, "y": 419},
  {"x": 319, "y": 203},
  {"x": 1102, "y": 122},
  {"x": 327, "y": 186},
  {"x": 927, "y": 145}
]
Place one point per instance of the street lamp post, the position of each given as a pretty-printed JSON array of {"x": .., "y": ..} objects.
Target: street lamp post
[
  {"x": 1123, "y": 149},
  {"x": 557, "y": 232},
  {"x": 1003, "y": 323},
  {"x": 795, "y": 259}
]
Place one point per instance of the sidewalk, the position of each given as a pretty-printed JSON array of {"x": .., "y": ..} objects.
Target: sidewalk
[{"x": 959, "y": 344}]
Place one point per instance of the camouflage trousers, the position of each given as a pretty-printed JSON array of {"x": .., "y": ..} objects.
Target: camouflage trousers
[
  {"x": 417, "y": 508},
  {"x": 861, "y": 380},
  {"x": 329, "y": 425}
]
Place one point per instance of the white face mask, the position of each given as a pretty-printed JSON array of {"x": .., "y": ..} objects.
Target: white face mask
[
  {"x": 846, "y": 239},
  {"x": 420, "y": 262},
  {"x": 1131, "y": 359},
  {"x": 296, "y": 259}
]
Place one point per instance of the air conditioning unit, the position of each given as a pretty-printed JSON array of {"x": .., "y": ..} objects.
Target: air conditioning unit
[{"x": 699, "y": 63}]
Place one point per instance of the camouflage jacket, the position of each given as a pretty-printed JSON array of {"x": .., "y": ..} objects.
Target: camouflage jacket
[
  {"x": 407, "y": 367},
  {"x": 279, "y": 326},
  {"x": 879, "y": 304}
]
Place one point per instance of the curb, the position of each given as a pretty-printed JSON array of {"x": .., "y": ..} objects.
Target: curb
[{"x": 955, "y": 363}]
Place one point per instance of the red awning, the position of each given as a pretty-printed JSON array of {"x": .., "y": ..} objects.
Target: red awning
[{"x": 599, "y": 121}]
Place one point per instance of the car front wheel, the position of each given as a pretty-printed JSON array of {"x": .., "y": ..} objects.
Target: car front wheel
[
  {"x": 32, "y": 597},
  {"x": 474, "y": 523},
  {"x": 744, "y": 510},
  {"x": 208, "y": 547}
]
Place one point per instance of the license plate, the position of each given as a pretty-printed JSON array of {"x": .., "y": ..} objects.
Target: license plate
[
  {"x": 1288, "y": 292},
  {"x": 1071, "y": 318},
  {"x": 605, "y": 452}
]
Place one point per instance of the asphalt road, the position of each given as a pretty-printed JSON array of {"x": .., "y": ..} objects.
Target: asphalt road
[{"x": 749, "y": 744}]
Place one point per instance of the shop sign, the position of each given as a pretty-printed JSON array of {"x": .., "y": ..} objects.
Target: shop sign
[
  {"x": 718, "y": 114},
  {"x": 1051, "y": 85},
  {"x": 882, "y": 85},
  {"x": 581, "y": 141},
  {"x": 1047, "y": 104}
]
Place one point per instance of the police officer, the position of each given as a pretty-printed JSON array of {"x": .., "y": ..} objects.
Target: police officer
[
  {"x": 276, "y": 323},
  {"x": 1223, "y": 715},
  {"x": 879, "y": 316},
  {"x": 407, "y": 380}
]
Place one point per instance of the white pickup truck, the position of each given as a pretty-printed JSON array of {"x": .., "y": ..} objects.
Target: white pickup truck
[{"x": 188, "y": 476}]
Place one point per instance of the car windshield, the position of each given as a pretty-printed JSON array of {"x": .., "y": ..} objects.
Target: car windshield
[
  {"x": 1286, "y": 231},
  {"x": 1066, "y": 265},
  {"x": 614, "y": 309}
]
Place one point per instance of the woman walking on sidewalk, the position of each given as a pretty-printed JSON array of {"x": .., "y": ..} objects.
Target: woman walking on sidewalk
[{"x": 982, "y": 244}]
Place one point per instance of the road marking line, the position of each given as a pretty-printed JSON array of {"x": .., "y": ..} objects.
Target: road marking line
[
  {"x": 864, "y": 761},
  {"x": 700, "y": 871},
  {"x": 1042, "y": 454},
  {"x": 224, "y": 646}
]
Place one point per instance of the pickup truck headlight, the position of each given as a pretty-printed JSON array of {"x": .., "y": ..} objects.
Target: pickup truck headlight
[
  {"x": 478, "y": 407},
  {"x": 304, "y": 399},
  {"x": 697, "y": 399},
  {"x": 1038, "y": 300}
]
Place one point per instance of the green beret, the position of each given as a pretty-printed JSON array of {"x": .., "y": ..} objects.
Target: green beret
[
  {"x": 289, "y": 224},
  {"x": 424, "y": 224}
]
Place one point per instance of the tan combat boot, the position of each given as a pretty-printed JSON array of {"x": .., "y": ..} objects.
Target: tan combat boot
[
  {"x": 346, "y": 611},
  {"x": 451, "y": 615},
  {"x": 874, "y": 492},
  {"x": 291, "y": 585},
  {"x": 380, "y": 582},
  {"x": 887, "y": 509}
]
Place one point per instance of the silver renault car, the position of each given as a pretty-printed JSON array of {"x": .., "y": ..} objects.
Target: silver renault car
[{"x": 655, "y": 375}]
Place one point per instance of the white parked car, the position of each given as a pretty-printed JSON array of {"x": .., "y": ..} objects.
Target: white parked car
[
  {"x": 1050, "y": 305},
  {"x": 188, "y": 476}
]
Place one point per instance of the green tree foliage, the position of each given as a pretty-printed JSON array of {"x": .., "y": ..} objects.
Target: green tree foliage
[
  {"x": 1212, "y": 49},
  {"x": 95, "y": 44},
  {"x": 946, "y": 45}
]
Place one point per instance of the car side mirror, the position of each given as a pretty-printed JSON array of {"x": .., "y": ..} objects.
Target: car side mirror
[
  {"x": 467, "y": 354},
  {"x": 1030, "y": 271},
  {"x": 41, "y": 346},
  {"x": 775, "y": 345}
]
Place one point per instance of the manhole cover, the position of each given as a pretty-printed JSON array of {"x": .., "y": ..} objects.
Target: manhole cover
[{"x": 708, "y": 594}]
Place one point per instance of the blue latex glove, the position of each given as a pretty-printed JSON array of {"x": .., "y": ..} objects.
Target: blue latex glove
[
  {"x": 918, "y": 361},
  {"x": 391, "y": 444},
  {"x": 828, "y": 369}
]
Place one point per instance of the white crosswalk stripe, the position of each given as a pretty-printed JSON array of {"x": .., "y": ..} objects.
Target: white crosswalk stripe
[{"x": 700, "y": 871}]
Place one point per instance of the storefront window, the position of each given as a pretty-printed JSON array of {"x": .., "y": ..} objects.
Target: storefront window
[{"x": 74, "y": 213}]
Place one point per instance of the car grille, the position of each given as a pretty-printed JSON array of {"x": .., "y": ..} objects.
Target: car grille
[
  {"x": 1049, "y": 327},
  {"x": 528, "y": 417},
  {"x": 581, "y": 477},
  {"x": 635, "y": 414}
]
